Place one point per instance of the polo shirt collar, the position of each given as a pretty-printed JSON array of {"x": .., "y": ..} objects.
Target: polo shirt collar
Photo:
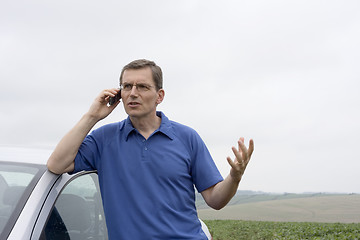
[{"x": 165, "y": 127}]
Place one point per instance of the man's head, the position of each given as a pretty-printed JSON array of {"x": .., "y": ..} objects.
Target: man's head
[
  {"x": 143, "y": 63},
  {"x": 141, "y": 89}
]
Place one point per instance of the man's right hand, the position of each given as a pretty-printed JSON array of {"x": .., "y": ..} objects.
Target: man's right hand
[{"x": 100, "y": 108}]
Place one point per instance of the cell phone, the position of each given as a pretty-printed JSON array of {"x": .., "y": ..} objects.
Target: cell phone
[{"x": 115, "y": 99}]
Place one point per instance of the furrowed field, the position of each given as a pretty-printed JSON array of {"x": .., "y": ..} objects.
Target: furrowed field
[
  {"x": 286, "y": 216},
  {"x": 238, "y": 229}
]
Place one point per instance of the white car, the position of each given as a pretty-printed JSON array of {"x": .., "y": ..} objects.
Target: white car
[{"x": 37, "y": 204}]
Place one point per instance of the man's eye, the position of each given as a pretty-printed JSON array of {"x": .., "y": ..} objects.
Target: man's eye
[
  {"x": 142, "y": 87},
  {"x": 127, "y": 86}
]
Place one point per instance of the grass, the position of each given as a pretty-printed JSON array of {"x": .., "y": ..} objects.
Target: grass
[{"x": 238, "y": 229}]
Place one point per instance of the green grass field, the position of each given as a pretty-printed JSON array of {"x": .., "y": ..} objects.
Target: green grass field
[{"x": 237, "y": 229}]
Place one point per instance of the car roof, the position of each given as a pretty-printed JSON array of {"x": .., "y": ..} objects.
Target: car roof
[{"x": 21, "y": 154}]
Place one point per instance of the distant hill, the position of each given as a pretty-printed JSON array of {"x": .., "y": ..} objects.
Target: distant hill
[
  {"x": 247, "y": 196},
  {"x": 306, "y": 207}
]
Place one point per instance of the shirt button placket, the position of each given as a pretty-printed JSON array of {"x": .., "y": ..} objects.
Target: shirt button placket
[{"x": 145, "y": 150}]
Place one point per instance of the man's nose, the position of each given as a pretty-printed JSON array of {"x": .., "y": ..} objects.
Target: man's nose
[{"x": 134, "y": 91}]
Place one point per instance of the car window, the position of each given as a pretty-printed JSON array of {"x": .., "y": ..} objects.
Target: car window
[
  {"x": 16, "y": 182},
  {"x": 78, "y": 212}
]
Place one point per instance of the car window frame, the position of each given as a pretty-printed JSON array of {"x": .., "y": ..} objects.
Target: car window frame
[
  {"x": 24, "y": 197},
  {"x": 59, "y": 185}
]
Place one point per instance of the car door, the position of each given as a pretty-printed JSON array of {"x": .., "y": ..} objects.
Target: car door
[{"x": 73, "y": 210}]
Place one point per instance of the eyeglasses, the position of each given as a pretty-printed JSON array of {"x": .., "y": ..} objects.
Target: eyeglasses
[{"x": 141, "y": 87}]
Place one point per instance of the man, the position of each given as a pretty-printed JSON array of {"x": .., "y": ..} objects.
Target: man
[{"x": 147, "y": 165}]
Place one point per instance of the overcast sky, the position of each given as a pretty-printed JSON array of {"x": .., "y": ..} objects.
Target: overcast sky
[{"x": 285, "y": 73}]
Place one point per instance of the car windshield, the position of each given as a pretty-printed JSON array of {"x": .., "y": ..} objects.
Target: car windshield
[{"x": 16, "y": 183}]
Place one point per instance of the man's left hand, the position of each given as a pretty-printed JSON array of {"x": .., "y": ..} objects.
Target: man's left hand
[{"x": 242, "y": 158}]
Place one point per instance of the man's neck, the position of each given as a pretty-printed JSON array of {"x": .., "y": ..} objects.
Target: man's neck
[{"x": 146, "y": 126}]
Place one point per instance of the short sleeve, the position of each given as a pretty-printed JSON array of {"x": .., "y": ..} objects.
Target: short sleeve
[
  {"x": 204, "y": 171},
  {"x": 88, "y": 153}
]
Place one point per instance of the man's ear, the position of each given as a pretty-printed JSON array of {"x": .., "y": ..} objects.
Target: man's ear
[{"x": 161, "y": 95}]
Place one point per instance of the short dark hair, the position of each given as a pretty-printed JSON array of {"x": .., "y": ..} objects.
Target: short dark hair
[{"x": 143, "y": 63}]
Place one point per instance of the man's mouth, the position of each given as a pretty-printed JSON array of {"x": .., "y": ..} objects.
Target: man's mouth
[{"x": 133, "y": 104}]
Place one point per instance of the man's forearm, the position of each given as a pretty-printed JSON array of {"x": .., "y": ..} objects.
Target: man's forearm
[
  {"x": 220, "y": 194},
  {"x": 62, "y": 159}
]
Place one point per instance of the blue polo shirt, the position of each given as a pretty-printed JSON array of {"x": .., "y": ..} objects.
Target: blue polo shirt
[{"x": 147, "y": 186}]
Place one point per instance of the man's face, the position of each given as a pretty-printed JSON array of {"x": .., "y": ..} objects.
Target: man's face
[{"x": 139, "y": 93}]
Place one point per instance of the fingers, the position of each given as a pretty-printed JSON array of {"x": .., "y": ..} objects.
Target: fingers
[
  {"x": 242, "y": 158},
  {"x": 239, "y": 156},
  {"x": 242, "y": 148},
  {"x": 110, "y": 92},
  {"x": 238, "y": 159},
  {"x": 237, "y": 166},
  {"x": 106, "y": 94},
  {"x": 231, "y": 163},
  {"x": 251, "y": 147},
  {"x": 242, "y": 154},
  {"x": 246, "y": 152}
]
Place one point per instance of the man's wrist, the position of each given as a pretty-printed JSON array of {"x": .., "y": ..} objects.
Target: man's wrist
[
  {"x": 90, "y": 118},
  {"x": 235, "y": 179}
]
